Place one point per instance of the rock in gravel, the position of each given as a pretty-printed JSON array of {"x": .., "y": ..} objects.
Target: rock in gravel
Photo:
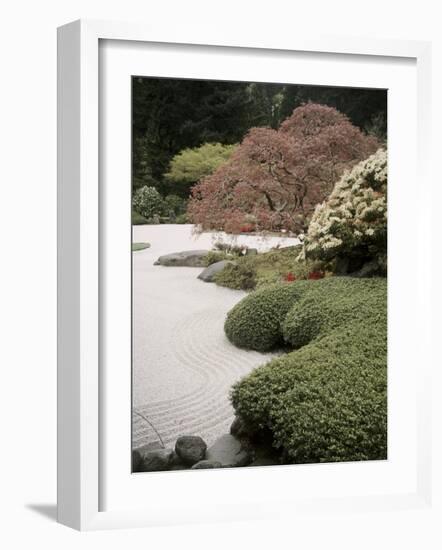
[
  {"x": 187, "y": 258},
  {"x": 158, "y": 460},
  {"x": 138, "y": 453},
  {"x": 206, "y": 464},
  {"x": 229, "y": 452},
  {"x": 209, "y": 273},
  {"x": 190, "y": 449}
]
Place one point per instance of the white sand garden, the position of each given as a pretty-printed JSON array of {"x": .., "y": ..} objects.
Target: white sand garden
[{"x": 183, "y": 365}]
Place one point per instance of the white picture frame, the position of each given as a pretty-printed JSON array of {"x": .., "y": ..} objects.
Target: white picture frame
[{"x": 79, "y": 264}]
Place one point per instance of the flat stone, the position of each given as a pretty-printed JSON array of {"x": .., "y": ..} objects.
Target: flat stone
[
  {"x": 209, "y": 273},
  {"x": 229, "y": 452},
  {"x": 187, "y": 258},
  {"x": 190, "y": 449},
  {"x": 154, "y": 461},
  {"x": 206, "y": 464}
]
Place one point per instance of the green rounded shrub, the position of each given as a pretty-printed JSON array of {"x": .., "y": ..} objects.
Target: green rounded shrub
[
  {"x": 327, "y": 400},
  {"x": 330, "y": 303},
  {"x": 255, "y": 322}
]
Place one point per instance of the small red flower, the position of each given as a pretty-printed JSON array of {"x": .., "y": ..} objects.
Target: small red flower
[{"x": 290, "y": 277}]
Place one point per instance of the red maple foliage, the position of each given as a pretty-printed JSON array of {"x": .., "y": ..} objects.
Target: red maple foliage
[{"x": 275, "y": 178}]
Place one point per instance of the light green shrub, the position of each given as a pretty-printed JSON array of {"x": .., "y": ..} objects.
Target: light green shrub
[{"x": 190, "y": 165}]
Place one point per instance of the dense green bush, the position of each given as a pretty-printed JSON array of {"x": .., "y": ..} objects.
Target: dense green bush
[
  {"x": 326, "y": 401},
  {"x": 255, "y": 322},
  {"x": 173, "y": 206},
  {"x": 330, "y": 304}
]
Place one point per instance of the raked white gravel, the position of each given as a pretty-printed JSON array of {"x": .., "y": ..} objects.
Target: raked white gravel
[{"x": 183, "y": 365}]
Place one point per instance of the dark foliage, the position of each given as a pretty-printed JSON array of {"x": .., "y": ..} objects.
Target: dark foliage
[{"x": 170, "y": 115}]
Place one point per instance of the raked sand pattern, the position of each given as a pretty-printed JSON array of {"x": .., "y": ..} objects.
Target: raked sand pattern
[{"x": 183, "y": 365}]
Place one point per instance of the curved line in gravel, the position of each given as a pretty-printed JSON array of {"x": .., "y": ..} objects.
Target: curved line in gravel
[
  {"x": 184, "y": 365},
  {"x": 219, "y": 363}
]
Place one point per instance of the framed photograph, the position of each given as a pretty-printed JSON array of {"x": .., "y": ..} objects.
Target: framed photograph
[{"x": 234, "y": 341}]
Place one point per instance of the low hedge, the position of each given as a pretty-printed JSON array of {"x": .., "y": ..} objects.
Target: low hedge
[
  {"x": 255, "y": 322},
  {"x": 237, "y": 276},
  {"x": 326, "y": 401},
  {"x": 267, "y": 268}
]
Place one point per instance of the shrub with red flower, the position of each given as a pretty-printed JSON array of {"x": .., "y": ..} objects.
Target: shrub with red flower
[
  {"x": 279, "y": 176},
  {"x": 315, "y": 275},
  {"x": 247, "y": 228},
  {"x": 290, "y": 277}
]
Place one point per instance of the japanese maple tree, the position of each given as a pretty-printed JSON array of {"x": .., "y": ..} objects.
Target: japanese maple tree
[{"x": 275, "y": 178}]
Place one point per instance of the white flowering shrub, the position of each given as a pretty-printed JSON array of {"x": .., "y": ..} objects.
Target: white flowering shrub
[
  {"x": 352, "y": 223},
  {"x": 147, "y": 202}
]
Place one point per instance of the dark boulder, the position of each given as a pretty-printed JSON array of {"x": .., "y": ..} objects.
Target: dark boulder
[
  {"x": 190, "y": 449},
  {"x": 209, "y": 273},
  {"x": 157, "y": 460}
]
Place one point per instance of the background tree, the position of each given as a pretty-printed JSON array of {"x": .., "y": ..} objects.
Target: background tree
[
  {"x": 366, "y": 108},
  {"x": 190, "y": 165},
  {"x": 170, "y": 115},
  {"x": 275, "y": 178}
]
